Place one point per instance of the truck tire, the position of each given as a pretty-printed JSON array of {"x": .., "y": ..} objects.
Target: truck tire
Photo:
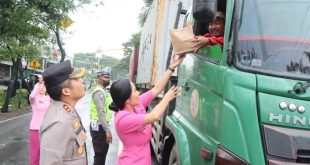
[{"x": 174, "y": 156}]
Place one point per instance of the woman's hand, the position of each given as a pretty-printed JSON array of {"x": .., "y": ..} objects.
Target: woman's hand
[
  {"x": 41, "y": 81},
  {"x": 175, "y": 60},
  {"x": 162, "y": 82},
  {"x": 160, "y": 108},
  {"x": 172, "y": 93},
  {"x": 109, "y": 137}
]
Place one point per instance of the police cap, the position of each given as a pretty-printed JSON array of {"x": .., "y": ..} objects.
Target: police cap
[
  {"x": 60, "y": 72},
  {"x": 104, "y": 72}
]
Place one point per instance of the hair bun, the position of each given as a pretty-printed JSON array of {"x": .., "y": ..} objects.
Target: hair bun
[{"x": 114, "y": 107}]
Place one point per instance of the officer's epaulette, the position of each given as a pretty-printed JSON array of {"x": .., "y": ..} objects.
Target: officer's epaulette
[{"x": 67, "y": 108}]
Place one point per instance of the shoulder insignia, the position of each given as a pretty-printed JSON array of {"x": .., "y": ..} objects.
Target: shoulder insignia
[{"x": 66, "y": 108}]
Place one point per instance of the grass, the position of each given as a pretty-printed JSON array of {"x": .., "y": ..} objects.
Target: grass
[{"x": 2, "y": 96}]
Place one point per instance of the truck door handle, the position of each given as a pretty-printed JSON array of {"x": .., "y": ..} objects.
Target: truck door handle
[{"x": 185, "y": 86}]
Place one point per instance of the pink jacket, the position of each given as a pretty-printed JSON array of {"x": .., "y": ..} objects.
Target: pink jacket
[{"x": 39, "y": 104}]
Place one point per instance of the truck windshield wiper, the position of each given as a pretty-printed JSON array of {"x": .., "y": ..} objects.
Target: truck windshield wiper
[{"x": 300, "y": 88}]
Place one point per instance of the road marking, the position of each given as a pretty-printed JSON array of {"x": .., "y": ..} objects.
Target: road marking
[{"x": 13, "y": 118}]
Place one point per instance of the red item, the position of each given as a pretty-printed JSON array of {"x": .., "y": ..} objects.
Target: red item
[{"x": 215, "y": 40}]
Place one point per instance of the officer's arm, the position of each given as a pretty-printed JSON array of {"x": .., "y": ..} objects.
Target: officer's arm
[
  {"x": 99, "y": 102},
  {"x": 54, "y": 141}
]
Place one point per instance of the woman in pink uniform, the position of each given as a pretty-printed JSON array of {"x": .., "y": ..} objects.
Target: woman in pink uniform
[
  {"x": 133, "y": 125},
  {"x": 39, "y": 104}
]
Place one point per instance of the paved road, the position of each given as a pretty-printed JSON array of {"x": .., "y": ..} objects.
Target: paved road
[{"x": 14, "y": 141}]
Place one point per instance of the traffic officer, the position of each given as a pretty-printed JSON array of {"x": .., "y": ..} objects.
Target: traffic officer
[
  {"x": 62, "y": 135},
  {"x": 101, "y": 117}
]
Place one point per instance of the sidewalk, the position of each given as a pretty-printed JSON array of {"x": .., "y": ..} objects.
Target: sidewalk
[{"x": 10, "y": 114}]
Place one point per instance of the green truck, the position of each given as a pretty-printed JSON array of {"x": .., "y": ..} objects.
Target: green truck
[{"x": 246, "y": 103}]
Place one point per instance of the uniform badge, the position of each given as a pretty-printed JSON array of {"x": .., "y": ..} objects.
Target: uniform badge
[
  {"x": 84, "y": 137},
  {"x": 80, "y": 150},
  {"x": 75, "y": 124},
  {"x": 80, "y": 137}
]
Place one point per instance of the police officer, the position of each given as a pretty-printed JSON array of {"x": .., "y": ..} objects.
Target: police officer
[
  {"x": 62, "y": 135},
  {"x": 101, "y": 117}
]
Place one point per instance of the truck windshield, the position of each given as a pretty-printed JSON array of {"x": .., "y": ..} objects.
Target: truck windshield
[{"x": 273, "y": 36}]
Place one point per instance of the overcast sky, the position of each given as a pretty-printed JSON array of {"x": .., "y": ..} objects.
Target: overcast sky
[{"x": 105, "y": 26}]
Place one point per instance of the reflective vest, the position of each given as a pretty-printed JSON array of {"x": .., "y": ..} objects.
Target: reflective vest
[{"x": 107, "y": 102}]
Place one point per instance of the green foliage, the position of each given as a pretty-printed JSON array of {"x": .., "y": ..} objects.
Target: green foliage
[
  {"x": 20, "y": 32},
  {"x": 144, "y": 12},
  {"x": 89, "y": 60},
  {"x": 108, "y": 61},
  {"x": 148, "y": 3},
  {"x": 127, "y": 48},
  {"x": 21, "y": 94},
  {"x": 25, "y": 25},
  {"x": 52, "y": 12},
  {"x": 2, "y": 95},
  {"x": 121, "y": 70},
  {"x": 133, "y": 42},
  {"x": 135, "y": 39},
  {"x": 83, "y": 59}
]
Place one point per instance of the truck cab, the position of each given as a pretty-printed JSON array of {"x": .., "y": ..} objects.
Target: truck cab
[{"x": 247, "y": 103}]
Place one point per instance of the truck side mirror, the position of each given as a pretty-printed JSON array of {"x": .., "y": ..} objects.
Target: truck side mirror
[{"x": 204, "y": 10}]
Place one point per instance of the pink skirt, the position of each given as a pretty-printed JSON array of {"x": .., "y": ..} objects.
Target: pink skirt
[{"x": 34, "y": 147}]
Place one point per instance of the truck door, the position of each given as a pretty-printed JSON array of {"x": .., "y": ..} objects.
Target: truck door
[{"x": 201, "y": 79}]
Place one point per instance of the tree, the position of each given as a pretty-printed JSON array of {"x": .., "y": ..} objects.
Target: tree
[
  {"x": 54, "y": 13},
  {"x": 87, "y": 60},
  {"x": 20, "y": 37},
  {"x": 134, "y": 41},
  {"x": 25, "y": 25},
  {"x": 83, "y": 59},
  {"x": 145, "y": 10}
]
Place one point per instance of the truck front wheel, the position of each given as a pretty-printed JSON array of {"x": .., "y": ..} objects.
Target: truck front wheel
[{"x": 174, "y": 156}]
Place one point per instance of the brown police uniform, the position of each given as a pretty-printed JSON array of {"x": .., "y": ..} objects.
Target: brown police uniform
[{"x": 62, "y": 136}]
